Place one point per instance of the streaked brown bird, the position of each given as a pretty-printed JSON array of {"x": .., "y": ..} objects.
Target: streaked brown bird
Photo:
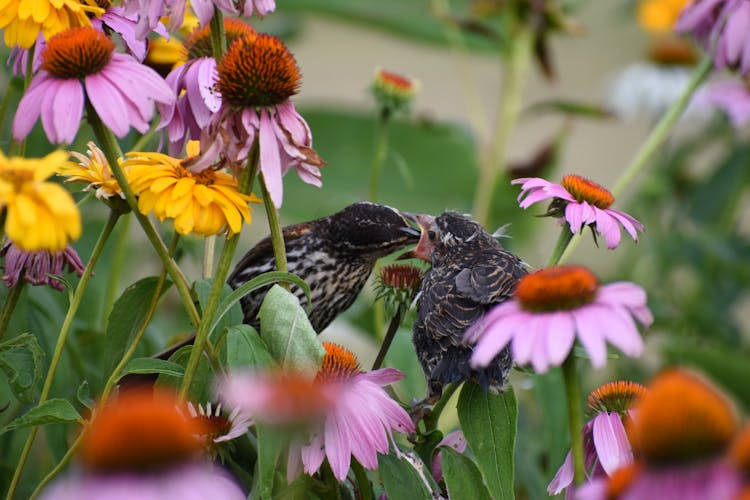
[
  {"x": 334, "y": 255},
  {"x": 470, "y": 273}
]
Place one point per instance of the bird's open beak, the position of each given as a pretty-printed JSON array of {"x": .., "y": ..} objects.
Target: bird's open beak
[{"x": 424, "y": 248}]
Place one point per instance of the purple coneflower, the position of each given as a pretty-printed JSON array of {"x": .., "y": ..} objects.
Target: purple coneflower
[
  {"x": 606, "y": 444},
  {"x": 730, "y": 97},
  {"x": 193, "y": 83},
  {"x": 724, "y": 24},
  {"x": 219, "y": 427},
  {"x": 149, "y": 13},
  {"x": 141, "y": 445},
  {"x": 347, "y": 411},
  {"x": 204, "y": 9},
  {"x": 36, "y": 267},
  {"x": 583, "y": 202},
  {"x": 80, "y": 64},
  {"x": 257, "y": 76},
  {"x": 680, "y": 436},
  {"x": 553, "y": 306}
]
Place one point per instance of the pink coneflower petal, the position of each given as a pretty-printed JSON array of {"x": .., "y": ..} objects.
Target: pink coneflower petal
[
  {"x": 622, "y": 332},
  {"x": 589, "y": 332},
  {"x": 560, "y": 341},
  {"x": 384, "y": 376},
  {"x": 313, "y": 454},
  {"x": 611, "y": 442},
  {"x": 564, "y": 476},
  {"x": 270, "y": 160},
  {"x": 523, "y": 344},
  {"x": 110, "y": 106},
  {"x": 30, "y": 105},
  {"x": 338, "y": 448}
]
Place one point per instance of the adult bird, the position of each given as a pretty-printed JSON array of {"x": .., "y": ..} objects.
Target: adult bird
[
  {"x": 470, "y": 273},
  {"x": 334, "y": 255}
]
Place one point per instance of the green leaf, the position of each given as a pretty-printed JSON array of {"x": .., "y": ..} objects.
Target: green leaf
[
  {"x": 230, "y": 300},
  {"x": 549, "y": 390},
  {"x": 84, "y": 395},
  {"x": 288, "y": 333},
  {"x": 52, "y": 411},
  {"x": 462, "y": 477},
  {"x": 127, "y": 316},
  {"x": 21, "y": 361},
  {"x": 202, "y": 387},
  {"x": 489, "y": 424},
  {"x": 575, "y": 108},
  {"x": 245, "y": 348},
  {"x": 270, "y": 443},
  {"x": 401, "y": 479},
  {"x": 231, "y": 315},
  {"x": 153, "y": 365}
]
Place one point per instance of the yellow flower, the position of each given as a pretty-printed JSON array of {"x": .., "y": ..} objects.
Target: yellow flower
[
  {"x": 39, "y": 215},
  {"x": 23, "y": 20},
  {"x": 94, "y": 169},
  {"x": 205, "y": 203},
  {"x": 659, "y": 16}
]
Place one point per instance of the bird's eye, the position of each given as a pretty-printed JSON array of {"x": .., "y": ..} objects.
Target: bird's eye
[{"x": 432, "y": 235}]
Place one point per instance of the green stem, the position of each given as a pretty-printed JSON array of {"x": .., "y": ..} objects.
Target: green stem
[
  {"x": 662, "y": 129},
  {"x": 514, "y": 80},
  {"x": 277, "y": 236},
  {"x": 389, "y": 335},
  {"x": 112, "y": 152},
  {"x": 218, "y": 37},
  {"x": 115, "y": 375},
  {"x": 225, "y": 260},
  {"x": 59, "y": 467},
  {"x": 575, "y": 416},
  {"x": 562, "y": 243},
  {"x": 10, "y": 304},
  {"x": 121, "y": 244},
  {"x": 381, "y": 148},
  {"x": 209, "y": 253},
  {"x": 431, "y": 420},
  {"x": 61, "y": 339},
  {"x": 365, "y": 489}
]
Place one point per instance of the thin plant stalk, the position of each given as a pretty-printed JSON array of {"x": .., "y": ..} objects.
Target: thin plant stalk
[
  {"x": 61, "y": 339},
  {"x": 115, "y": 270},
  {"x": 112, "y": 152},
  {"x": 222, "y": 270},
  {"x": 380, "y": 153},
  {"x": 562, "y": 244},
  {"x": 574, "y": 396},
  {"x": 64, "y": 461},
  {"x": 387, "y": 340},
  {"x": 277, "y": 236},
  {"x": 514, "y": 81},
  {"x": 14, "y": 293},
  {"x": 365, "y": 489}
]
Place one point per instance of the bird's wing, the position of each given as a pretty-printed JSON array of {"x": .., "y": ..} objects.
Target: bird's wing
[
  {"x": 451, "y": 313},
  {"x": 491, "y": 277}
]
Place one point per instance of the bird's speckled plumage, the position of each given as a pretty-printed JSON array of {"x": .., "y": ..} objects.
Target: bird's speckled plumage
[
  {"x": 334, "y": 255},
  {"x": 471, "y": 272}
]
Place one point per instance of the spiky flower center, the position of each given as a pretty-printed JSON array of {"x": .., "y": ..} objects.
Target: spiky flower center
[
  {"x": 257, "y": 70},
  {"x": 77, "y": 53},
  {"x": 583, "y": 189},
  {"x": 339, "y": 364},
  {"x": 198, "y": 42},
  {"x": 619, "y": 396},
  {"x": 401, "y": 276},
  {"x": 559, "y": 288},
  {"x": 140, "y": 430},
  {"x": 394, "y": 82},
  {"x": 681, "y": 418}
]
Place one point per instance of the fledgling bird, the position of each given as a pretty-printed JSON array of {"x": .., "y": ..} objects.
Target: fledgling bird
[
  {"x": 470, "y": 273},
  {"x": 334, "y": 255}
]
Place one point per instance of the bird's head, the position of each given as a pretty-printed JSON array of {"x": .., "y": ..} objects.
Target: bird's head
[
  {"x": 441, "y": 233},
  {"x": 371, "y": 230}
]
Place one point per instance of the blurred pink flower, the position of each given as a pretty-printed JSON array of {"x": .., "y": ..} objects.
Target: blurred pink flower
[
  {"x": 148, "y": 14},
  {"x": 553, "y": 306},
  {"x": 36, "y": 267},
  {"x": 257, "y": 76},
  {"x": 723, "y": 23},
  {"x": 606, "y": 445},
  {"x": 346, "y": 411},
  {"x": 79, "y": 63},
  {"x": 730, "y": 97},
  {"x": 583, "y": 202}
]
